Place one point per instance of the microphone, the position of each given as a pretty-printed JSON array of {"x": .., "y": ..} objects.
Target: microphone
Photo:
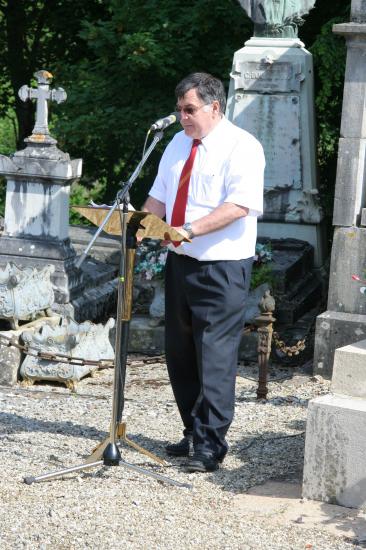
[{"x": 163, "y": 123}]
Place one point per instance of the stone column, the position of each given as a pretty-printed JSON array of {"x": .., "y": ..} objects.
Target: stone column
[
  {"x": 344, "y": 322},
  {"x": 36, "y": 225}
]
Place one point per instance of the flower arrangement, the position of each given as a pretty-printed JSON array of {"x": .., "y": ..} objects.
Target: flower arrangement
[
  {"x": 262, "y": 270},
  {"x": 263, "y": 253},
  {"x": 151, "y": 263}
]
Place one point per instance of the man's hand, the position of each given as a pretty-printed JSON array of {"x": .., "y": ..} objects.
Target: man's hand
[
  {"x": 182, "y": 231},
  {"x": 167, "y": 240}
]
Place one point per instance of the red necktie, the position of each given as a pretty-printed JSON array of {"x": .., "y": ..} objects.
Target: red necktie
[{"x": 179, "y": 208}]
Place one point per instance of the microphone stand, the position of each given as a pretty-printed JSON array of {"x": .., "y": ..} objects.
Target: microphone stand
[
  {"x": 120, "y": 197},
  {"x": 107, "y": 452}
]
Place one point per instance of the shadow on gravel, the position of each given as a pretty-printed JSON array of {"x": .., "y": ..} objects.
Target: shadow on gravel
[
  {"x": 11, "y": 423},
  {"x": 268, "y": 456}
]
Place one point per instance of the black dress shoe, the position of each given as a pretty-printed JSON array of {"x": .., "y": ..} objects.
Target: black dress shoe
[
  {"x": 182, "y": 448},
  {"x": 221, "y": 456},
  {"x": 200, "y": 462}
]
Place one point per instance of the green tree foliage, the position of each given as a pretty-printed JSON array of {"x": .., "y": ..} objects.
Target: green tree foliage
[
  {"x": 329, "y": 56},
  {"x": 135, "y": 58},
  {"x": 38, "y": 34}
]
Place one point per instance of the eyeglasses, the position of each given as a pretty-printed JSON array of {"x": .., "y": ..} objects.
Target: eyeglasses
[{"x": 191, "y": 111}]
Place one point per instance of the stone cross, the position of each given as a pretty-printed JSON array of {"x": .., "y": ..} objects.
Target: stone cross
[{"x": 42, "y": 94}]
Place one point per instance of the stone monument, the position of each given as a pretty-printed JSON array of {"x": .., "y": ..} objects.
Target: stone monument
[
  {"x": 344, "y": 322},
  {"x": 36, "y": 222},
  {"x": 271, "y": 96},
  {"x": 38, "y": 178}
]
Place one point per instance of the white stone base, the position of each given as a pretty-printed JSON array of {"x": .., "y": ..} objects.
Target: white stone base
[
  {"x": 349, "y": 370},
  {"x": 335, "y": 451}
]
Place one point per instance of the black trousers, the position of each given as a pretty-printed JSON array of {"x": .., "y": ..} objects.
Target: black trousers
[{"x": 204, "y": 319}]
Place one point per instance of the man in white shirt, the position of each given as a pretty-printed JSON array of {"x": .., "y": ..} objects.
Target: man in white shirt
[{"x": 210, "y": 188}]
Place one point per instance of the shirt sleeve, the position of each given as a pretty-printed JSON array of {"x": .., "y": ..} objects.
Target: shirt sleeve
[
  {"x": 158, "y": 189},
  {"x": 244, "y": 179}
]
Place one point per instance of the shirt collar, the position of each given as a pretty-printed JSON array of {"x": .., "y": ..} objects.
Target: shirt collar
[{"x": 212, "y": 137}]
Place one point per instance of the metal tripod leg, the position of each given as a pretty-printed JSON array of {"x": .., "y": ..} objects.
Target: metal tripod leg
[
  {"x": 52, "y": 475},
  {"x": 121, "y": 434}
]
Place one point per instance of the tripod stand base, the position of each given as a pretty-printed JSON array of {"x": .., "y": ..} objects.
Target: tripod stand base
[
  {"x": 111, "y": 455},
  {"x": 59, "y": 473},
  {"x": 100, "y": 449},
  {"x": 108, "y": 454}
]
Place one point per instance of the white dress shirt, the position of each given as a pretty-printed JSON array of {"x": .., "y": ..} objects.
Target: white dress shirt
[{"x": 228, "y": 167}]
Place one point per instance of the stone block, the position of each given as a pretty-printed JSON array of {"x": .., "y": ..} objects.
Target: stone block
[
  {"x": 335, "y": 451},
  {"x": 88, "y": 341},
  {"x": 348, "y": 258},
  {"x": 248, "y": 349},
  {"x": 358, "y": 11},
  {"x": 353, "y": 123},
  {"x": 10, "y": 359},
  {"x": 292, "y": 261},
  {"x": 146, "y": 338},
  {"x": 334, "y": 330},
  {"x": 349, "y": 189},
  {"x": 349, "y": 370},
  {"x": 303, "y": 297}
]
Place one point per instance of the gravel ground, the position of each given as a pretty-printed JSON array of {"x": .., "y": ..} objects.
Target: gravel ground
[{"x": 46, "y": 427}]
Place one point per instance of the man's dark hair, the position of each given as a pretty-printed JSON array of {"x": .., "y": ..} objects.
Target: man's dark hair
[{"x": 208, "y": 88}]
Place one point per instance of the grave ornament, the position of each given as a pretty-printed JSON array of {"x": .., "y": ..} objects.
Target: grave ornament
[
  {"x": 41, "y": 144},
  {"x": 277, "y": 18},
  {"x": 84, "y": 341},
  {"x": 25, "y": 293}
]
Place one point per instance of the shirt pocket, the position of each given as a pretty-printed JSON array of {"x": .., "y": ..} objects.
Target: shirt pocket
[{"x": 208, "y": 189}]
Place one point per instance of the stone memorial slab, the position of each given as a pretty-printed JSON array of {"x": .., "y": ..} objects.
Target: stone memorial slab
[
  {"x": 275, "y": 121},
  {"x": 267, "y": 75}
]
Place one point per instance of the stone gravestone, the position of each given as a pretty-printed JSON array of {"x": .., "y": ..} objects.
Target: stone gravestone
[
  {"x": 344, "y": 322},
  {"x": 271, "y": 96},
  {"x": 37, "y": 198},
  {"x": 36, "y": 224}
]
